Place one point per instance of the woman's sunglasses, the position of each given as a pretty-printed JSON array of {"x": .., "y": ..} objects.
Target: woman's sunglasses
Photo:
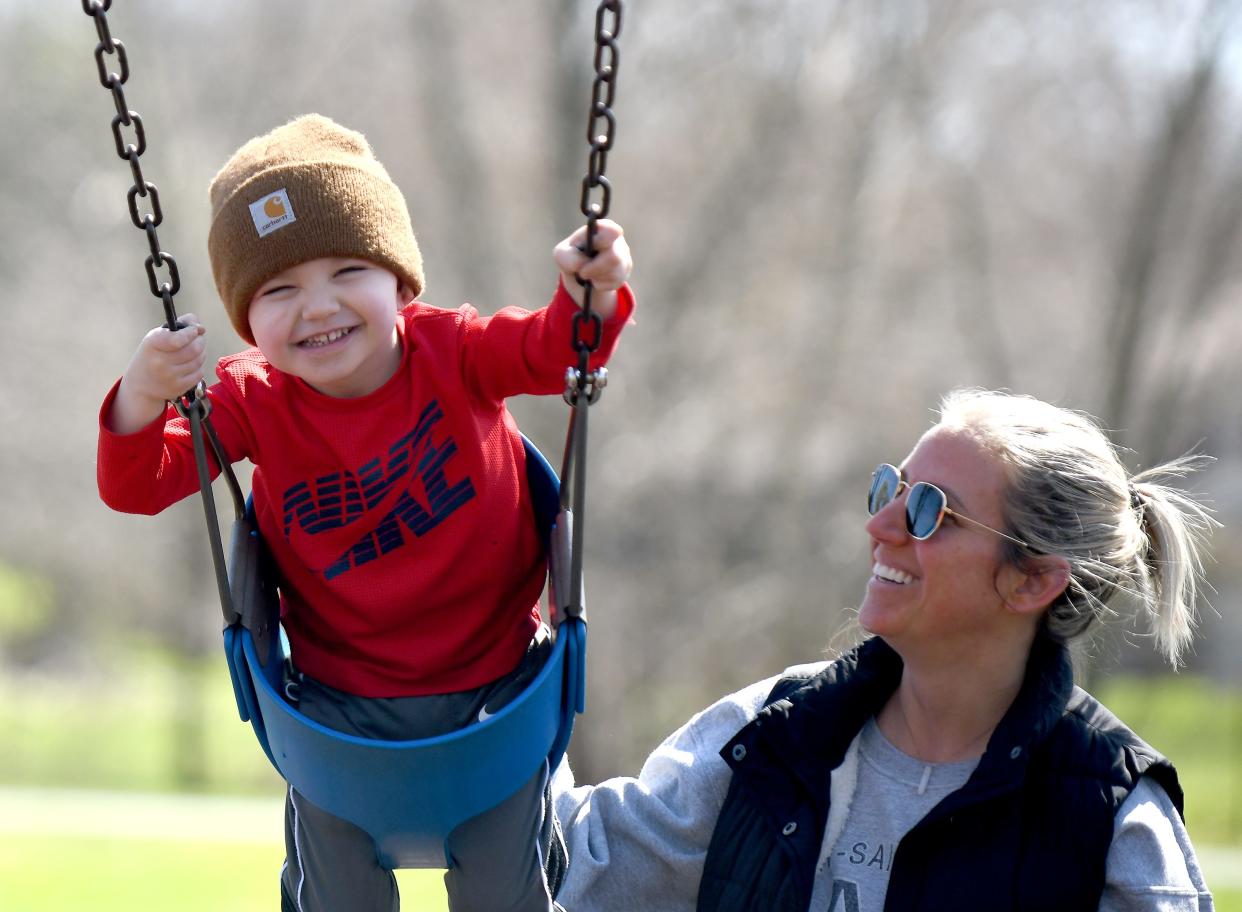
[{"x": 926, "y": 505}]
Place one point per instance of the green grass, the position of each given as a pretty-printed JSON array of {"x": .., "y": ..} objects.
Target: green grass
[
  {"x": 124, "y": 728},
  {"x": 59, "y": 874},
  {"x": 1197, "y": 725}
]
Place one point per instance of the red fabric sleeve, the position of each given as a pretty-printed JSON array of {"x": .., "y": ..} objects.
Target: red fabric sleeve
[
  {"x": 543, "y": 341},
  {"x": 153, "y": 468}
]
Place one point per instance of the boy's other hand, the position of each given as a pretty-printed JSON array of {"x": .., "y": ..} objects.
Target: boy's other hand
[
  {"x": 166, "y": 365},
  {"x": 607, "y": 271}
]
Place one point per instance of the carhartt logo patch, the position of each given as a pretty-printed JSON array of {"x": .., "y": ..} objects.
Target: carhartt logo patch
[{"x": 272, "y": 212}]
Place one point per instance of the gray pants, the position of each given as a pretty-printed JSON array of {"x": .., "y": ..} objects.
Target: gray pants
[{"x": 508, "y": 859}]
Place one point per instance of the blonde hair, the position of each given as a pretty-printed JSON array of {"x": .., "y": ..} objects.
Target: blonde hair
[{"x": 1070, "y": 495}]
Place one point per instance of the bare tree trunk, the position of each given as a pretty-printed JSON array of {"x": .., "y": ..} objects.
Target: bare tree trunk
[
  {"x": 447, "y": 111},
  {"x": 569, "y": 77},
  {"x": 976, "y": 310},
  {"x": 1162, "y": 430},
  {"x": 752, "y": 169},
  {"x": 1143, "y": 252}
]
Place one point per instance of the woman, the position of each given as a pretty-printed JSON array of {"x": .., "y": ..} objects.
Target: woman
[{"x": 948, "y": 762}]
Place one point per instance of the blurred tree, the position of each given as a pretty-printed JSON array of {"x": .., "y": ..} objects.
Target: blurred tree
[{"x": 1162, "y": 287}]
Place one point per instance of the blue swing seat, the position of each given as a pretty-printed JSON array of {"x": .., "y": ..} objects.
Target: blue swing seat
[{"x": 410, "y": 795}]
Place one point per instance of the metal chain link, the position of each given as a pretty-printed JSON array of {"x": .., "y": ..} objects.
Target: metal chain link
[{"x": 130, "y": 149}]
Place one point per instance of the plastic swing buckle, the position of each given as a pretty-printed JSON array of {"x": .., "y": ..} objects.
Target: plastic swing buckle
[
  {"x": 257, "y": 608},
  {"x": 560, "y": 594}
]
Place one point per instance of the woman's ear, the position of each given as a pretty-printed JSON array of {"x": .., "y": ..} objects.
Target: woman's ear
[{"x": 1031, "y": 588}]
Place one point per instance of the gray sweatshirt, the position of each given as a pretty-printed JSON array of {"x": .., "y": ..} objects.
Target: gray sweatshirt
[{"x": 638, "y": 844}]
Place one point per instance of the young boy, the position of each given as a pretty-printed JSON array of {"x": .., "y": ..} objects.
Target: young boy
[{"x": 389, "y": 478}]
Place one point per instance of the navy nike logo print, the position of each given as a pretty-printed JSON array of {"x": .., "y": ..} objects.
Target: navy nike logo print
[{"x": 336, "y": 500}]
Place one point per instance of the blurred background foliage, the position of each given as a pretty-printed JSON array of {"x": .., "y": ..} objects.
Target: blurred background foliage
[{"x": 838, "y": 210}]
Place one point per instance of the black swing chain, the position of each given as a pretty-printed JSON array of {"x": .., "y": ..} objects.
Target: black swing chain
[
  {"x": 193, "y": 405},
  {"x": 132, "y": 152},
  {"x": 601, "y": 127},
  {"x": 582, "y": 385}
]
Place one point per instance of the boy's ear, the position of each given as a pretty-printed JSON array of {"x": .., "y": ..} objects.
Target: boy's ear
[
  {"x": 1036, "y": 584},
  {"x": 406, "y": 293}
]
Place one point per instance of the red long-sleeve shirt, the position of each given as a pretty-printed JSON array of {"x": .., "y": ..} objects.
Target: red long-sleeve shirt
[{"x": 400, "y": 521}]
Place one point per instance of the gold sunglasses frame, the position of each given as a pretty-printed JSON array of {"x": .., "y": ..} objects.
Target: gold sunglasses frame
[{"x": 945, "y": 509}]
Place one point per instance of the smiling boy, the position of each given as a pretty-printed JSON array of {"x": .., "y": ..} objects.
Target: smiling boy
[{"x": 389, "y": 478}]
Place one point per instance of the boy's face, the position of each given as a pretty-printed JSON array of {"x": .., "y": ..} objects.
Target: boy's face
[{"x": 333, "y": 322}]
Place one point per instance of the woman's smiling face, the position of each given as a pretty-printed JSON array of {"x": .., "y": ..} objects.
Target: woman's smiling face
[{"x": 944, "y": 591}]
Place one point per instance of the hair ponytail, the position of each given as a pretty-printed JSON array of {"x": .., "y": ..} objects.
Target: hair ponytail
[{"x": 1169, "y": 568}]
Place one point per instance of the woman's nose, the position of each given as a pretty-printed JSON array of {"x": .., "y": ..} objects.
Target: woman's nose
[{"x": 889, "y": 523}]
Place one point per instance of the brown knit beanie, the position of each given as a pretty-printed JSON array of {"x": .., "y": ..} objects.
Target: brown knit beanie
[{"x": 308, "y": 189}]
